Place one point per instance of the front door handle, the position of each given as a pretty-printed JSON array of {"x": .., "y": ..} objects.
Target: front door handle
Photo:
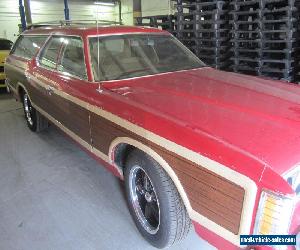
[{"x": 50, "y": 90}]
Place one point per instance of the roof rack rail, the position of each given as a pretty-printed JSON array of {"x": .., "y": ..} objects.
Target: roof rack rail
[{"x": 73, "y": 22}]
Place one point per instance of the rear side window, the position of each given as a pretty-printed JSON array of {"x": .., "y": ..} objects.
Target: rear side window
[
  {"x": 5, "y": 44},
  {"x": 28, "y": 46},
  {"x": 72, "y": 59},
  {"x": 50, "y": 53}
]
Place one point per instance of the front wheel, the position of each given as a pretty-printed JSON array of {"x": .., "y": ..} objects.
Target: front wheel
[{"x": 154, "y": 201}]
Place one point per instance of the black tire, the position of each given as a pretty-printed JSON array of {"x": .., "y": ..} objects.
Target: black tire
[
  {"x": 174, "y": 223},
  {"x": 35, "y": 121}
]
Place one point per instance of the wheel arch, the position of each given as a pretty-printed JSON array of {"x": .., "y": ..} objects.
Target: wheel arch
[
  {"x": 21, "y": 90},
  {"x": 129, "y": 144}
]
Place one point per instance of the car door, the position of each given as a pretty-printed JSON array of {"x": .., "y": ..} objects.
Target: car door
[
  {"x": 59, "y": 76},
  {"x": 43, "y": 79},
  {"x": 72, "y": 76}
]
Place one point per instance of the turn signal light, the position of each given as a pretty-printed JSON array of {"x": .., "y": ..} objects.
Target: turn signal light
[{"x": 274, "y": 214}]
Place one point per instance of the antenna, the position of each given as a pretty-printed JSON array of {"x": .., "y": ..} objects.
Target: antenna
[{"x": 98, "y": 50}]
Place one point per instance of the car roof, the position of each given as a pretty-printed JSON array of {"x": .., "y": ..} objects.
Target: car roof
[{"x": 91, "y": 30}]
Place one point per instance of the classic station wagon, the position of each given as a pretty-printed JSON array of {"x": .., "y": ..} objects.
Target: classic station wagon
[{"x": 193, "y": 144}]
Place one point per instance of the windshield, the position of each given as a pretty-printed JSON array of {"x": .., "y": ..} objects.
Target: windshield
[
  {"x": 5, "y": 44},
  {"x": 126, "y": 56}
]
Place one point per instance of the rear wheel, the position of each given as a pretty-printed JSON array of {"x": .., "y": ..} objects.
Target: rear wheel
[
  {"x": 35, "y": 121},
  {"x": 154, "y": 201}
]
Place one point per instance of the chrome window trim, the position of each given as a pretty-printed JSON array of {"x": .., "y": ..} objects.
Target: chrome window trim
[{"x": 59, "y": 57}]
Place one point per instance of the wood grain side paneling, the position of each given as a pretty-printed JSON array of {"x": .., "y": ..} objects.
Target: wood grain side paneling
[
  {"x": 69, "y": 114},
  {"x": 210, "y": 195},
  {"x": 77, "y": 121}
]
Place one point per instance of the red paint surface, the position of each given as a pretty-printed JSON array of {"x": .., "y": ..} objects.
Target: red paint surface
[
  {"x": 246, "y": 123},
  {"x": 91, "y": 31},
  {"x": 256, "y": 118}
]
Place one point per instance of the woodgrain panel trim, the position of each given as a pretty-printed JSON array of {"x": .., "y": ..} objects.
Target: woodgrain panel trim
[
  {"x": 199, "y": 160},
  {"x": 222, "y": 200},
  {"x": 72, "y": 116},
  {"x": 69, "y": 114}
]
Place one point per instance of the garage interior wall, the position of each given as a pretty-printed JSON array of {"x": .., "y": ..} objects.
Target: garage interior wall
[
  {"x": 50, "y": 11},
  {"x": 157, "y": 7},
  {"x": 54, "y": 10},
  {"x": 149, "y": 8}
]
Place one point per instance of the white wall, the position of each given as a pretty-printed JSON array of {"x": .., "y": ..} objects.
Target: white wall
[
  {"x": 9, "y": 19},
  {"x": 149, "y": 8},
  {"x": 127, "y": 12},
  {"x": 156, "y": 7},
  {"x": 43, "y": 11}
]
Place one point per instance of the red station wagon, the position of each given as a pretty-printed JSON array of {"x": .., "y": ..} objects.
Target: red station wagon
[{"x": 193, "y": 144}]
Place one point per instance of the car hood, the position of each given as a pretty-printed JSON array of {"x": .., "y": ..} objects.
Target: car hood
[{"x": 258, "y": 116}]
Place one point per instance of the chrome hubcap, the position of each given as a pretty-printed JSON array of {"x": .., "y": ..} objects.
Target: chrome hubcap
[
  {"x": 28, "y": 109},
  {"x": 144, "y": 199}
]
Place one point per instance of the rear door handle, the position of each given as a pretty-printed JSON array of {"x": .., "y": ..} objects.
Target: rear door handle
[{"x": 50, "y": 90}]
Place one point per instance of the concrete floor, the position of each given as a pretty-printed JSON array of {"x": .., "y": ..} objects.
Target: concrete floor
[{"x": 54, "y": 196}]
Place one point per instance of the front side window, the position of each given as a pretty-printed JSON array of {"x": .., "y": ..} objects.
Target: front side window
[
  {"x": 5, "y": 44},
  {"x": 126, "y": 56},
  {"x": 28, "y": 46},
  {"x": 72, "y": 58},
  {"x": 49, "y": 55}
]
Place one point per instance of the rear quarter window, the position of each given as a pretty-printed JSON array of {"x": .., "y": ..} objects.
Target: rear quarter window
[{"x": 27, "y": 46}]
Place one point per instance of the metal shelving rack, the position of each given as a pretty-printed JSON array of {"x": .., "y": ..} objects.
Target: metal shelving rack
[
  {"x": 164, "y": 22},
  {"x": 265, "y": 38},
  {"x": 257, "y": 37}
]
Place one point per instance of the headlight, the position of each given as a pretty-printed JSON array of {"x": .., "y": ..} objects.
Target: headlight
[
  {"x": 274, "y": 214},
  {"x": 293, "y": 178}
]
